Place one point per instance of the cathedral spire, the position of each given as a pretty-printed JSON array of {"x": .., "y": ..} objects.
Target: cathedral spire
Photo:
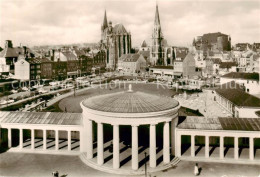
[
  {"x": 157, "y": 18},
  {"x": 105, "y": 25}
]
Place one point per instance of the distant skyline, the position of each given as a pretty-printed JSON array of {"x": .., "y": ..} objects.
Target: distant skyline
[{"x": 51, "y": 22}]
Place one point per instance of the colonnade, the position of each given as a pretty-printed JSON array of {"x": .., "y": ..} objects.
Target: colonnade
[
  {"x": 134, "y": 149},
  {"x": 221, "y": 146},
  {"x": 44, "y": 138}
]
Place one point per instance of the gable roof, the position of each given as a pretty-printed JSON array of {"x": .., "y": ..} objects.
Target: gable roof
[
  {"x": 69, "y": 56},
  {"x": 235, "y": 93},
  {"x": 247, "y": 76},
  {"x": 144, "y": 44},
  {"x": 9, "y": 52},
  {"x": 129, "y": 57},
  {"x": 119, "y": 29}
]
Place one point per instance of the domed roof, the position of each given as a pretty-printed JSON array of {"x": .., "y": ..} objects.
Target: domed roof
[
  {"x": 119, "y": 29},
  {"x": 130, "y": 102}
]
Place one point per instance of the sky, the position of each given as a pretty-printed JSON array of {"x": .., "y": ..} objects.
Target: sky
[{"x": 51, "y": 22}]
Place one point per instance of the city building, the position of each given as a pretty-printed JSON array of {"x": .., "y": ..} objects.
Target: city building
[
  {"x": 8, "y": 57},
  {"x": 167, "y": 71},
  {"x": 132, "y": 63},
  {"x": 33, "y": 68},
  {"x": 249, "y": 80},
  {"x": 236, "y": 101},
  {"x": 115, "y": 41},
  {"x": 189, "y": 67},
  {"x": 213, "y": 42}
]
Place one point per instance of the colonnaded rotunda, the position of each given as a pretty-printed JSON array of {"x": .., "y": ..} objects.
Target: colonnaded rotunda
[{"x": 137, "y": 111}]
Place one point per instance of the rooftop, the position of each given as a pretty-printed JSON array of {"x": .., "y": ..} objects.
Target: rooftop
[
  {"x": 162, "y": 67},
  {"x": 53, "y": 118},
  {"x": 234, "y": 93},
  {"x": 130, "y": 102},
  {"x": 220, "y": 123},
  {"x": 248, "y": 76}
]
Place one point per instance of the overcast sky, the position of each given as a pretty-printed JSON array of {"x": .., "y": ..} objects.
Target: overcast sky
[{"x": 38, "y": 22}]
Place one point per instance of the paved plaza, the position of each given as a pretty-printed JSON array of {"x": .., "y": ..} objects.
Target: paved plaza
[
  {"x": 204, "y": 102},
  {"x": 44, "y": 165}
]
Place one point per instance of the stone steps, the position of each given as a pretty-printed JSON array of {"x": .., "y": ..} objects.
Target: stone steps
[{"x": 122, "y": 171}]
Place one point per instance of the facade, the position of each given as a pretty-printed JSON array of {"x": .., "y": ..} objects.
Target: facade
[
  {"x": 162, "y": 71},
  {"x": 249, "y": 80},
  {"x": 236, "y": 101},
  {"x": 132, "y": 63},
  {"x": 189, "y": 67},
  {"x": 115, "y": 41}
]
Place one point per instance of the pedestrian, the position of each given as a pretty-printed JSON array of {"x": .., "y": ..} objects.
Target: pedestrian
[{"x": 196, "y": 170}]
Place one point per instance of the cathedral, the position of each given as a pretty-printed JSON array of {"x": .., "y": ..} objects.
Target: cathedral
[
  {"x": 115, "y": 41},
  {"x": 158, "y": 42}
]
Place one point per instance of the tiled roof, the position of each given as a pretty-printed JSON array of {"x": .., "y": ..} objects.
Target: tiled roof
[
  {"x": 227, "y": 123},
  {"x": 227, "y": 64},
  {"x": 181, "y": 53},
  {"x": 234, "y": 93},
  {"x": 79, "y": 52},
  {"x": 69, "y": 56},
  {"x": 144, "y": 44},
  {"x": 38, "y": 60},
  {"x": 41, "y": 118},
  {"x": 129, "y": 57},
  {"x": 9, "y": 52},
  {"x": 146, "y": 54},
  {"x": 162, "y": 67},
  {"x": 130, "y": 102},
  {"x": 119, "y": 29},
  {"x": 237, "y": 75}
]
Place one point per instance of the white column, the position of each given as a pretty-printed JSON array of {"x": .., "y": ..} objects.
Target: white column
[
  {"x": 44, "y": 139},
  {"x": 89, "y": 139},
  {"x": 207, "y": 146},
  {"x": 100, "y": 153},
  {"x": 116, "y": 163},
  {"x": 173, "y": 125},
  {"x": 192, "y": 146},
  {"x": 32, "y": 138},
  {"x": 135, "y": 147},
  {"x": 251, "y": 148},
  {"x": 152, "y": 146},
  {"x": 178, "y": 144},
  {"x": 166, "y": 143},
  {"x": 9, "y": 137},
  {"x": 221, "y": 147},
  {"x": 21, "y": 139},
  {"x": 69, "y": 140},
  {"x": 56, "y": 140},
  {"x": 236, "y": 147}
]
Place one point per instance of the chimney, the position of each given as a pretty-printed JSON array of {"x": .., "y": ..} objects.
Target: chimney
[
  {"x": 8, "y": 44},
  {"x": 24, "y": 50}
]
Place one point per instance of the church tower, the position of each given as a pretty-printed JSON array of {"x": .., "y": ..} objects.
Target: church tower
[
  {"x": 157, "y": 38},
  {"x": 104, "y": 26}
]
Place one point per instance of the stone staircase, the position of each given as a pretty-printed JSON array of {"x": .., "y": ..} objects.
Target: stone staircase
[{"x": 124, "y": 171}]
